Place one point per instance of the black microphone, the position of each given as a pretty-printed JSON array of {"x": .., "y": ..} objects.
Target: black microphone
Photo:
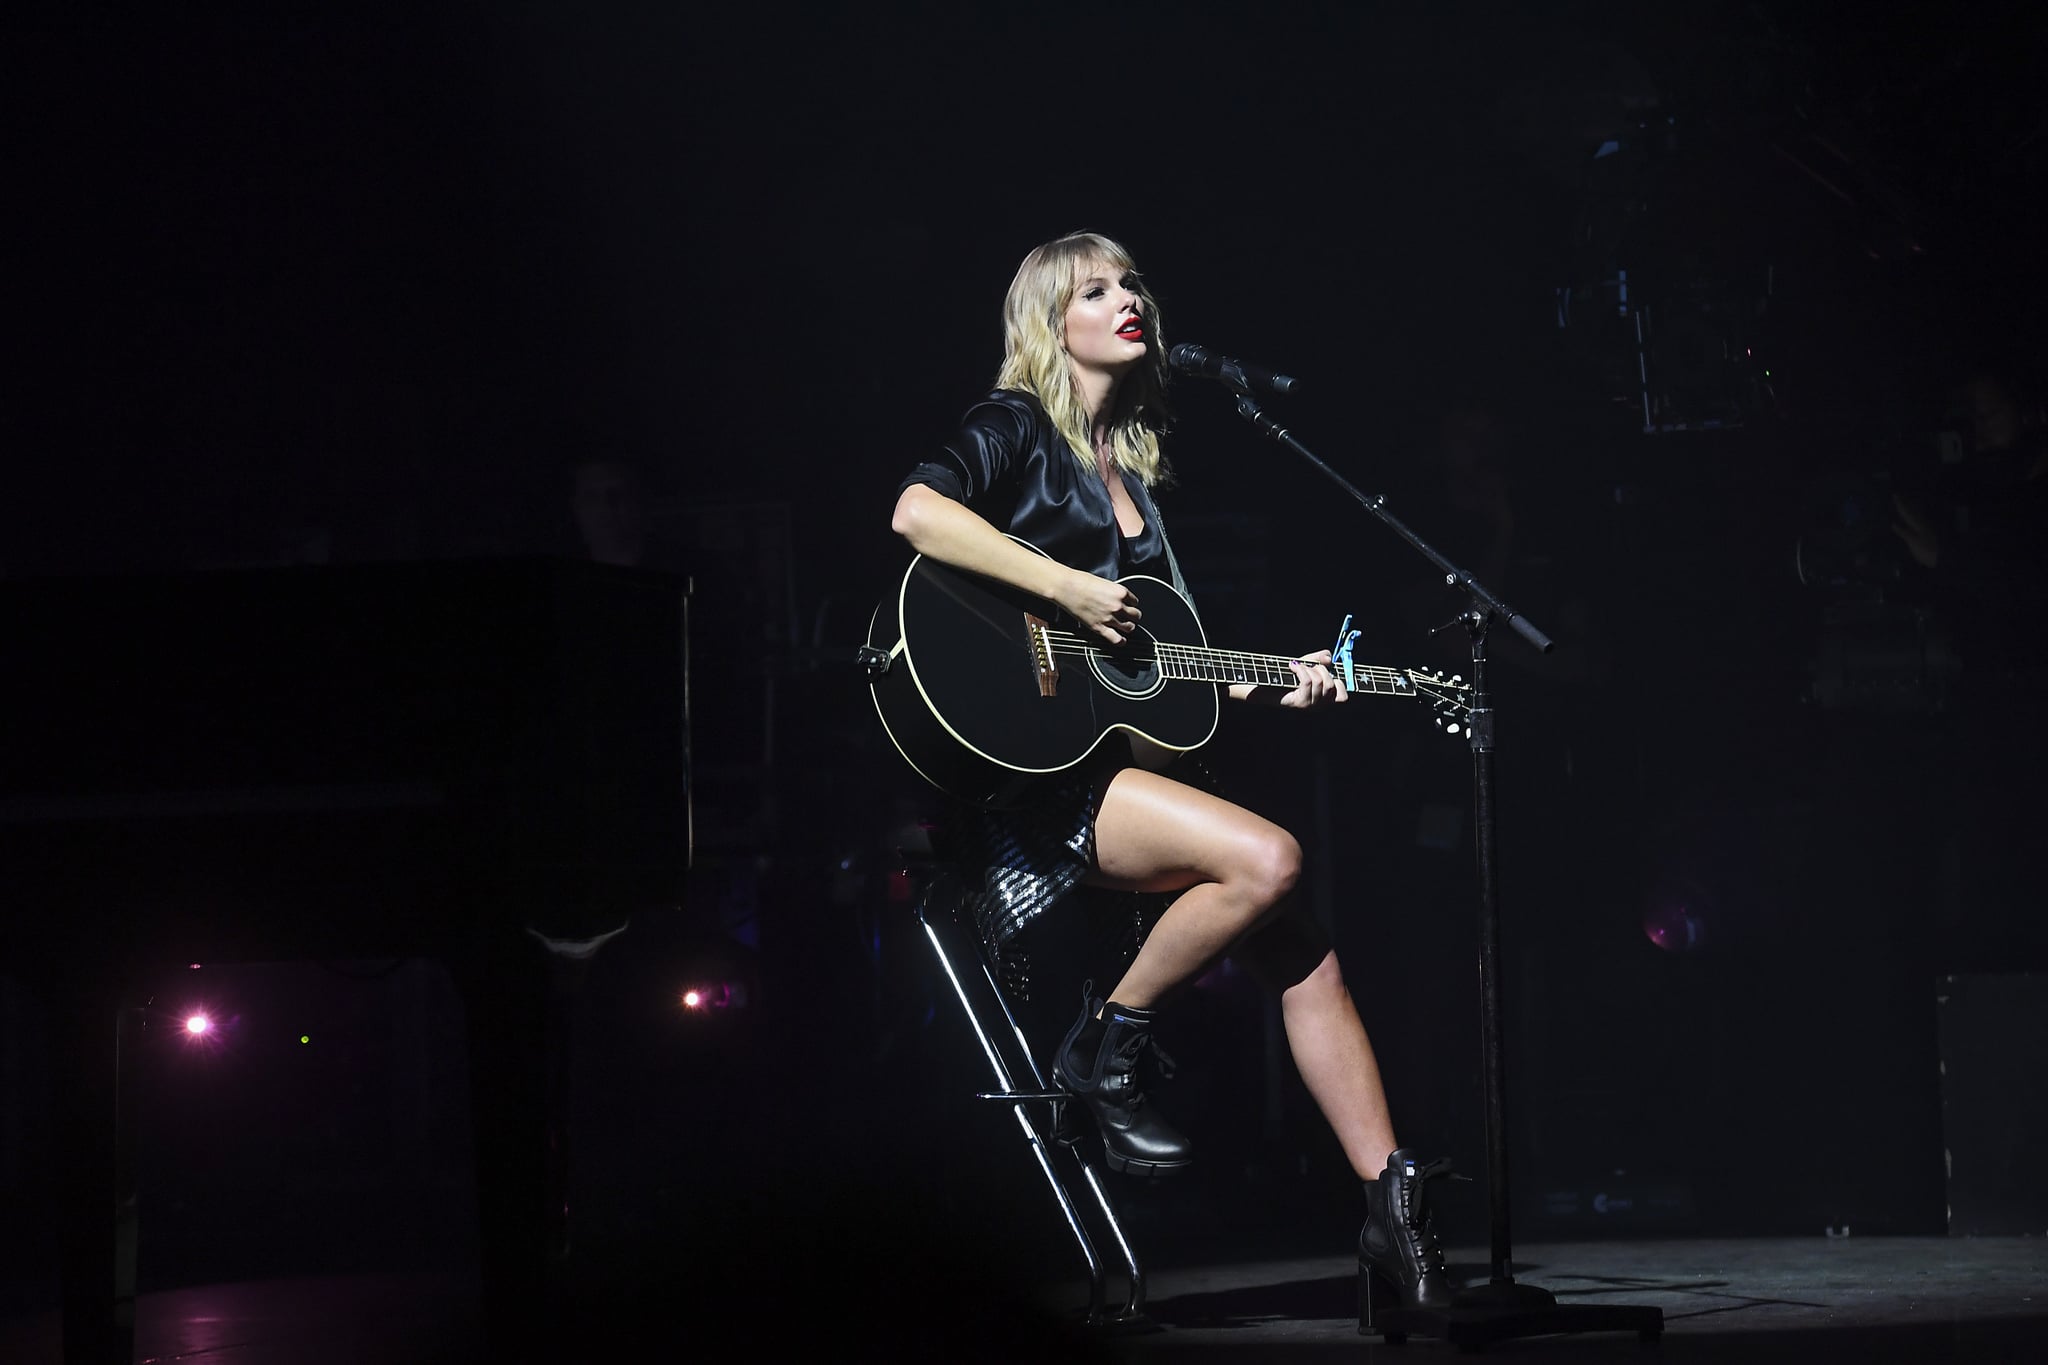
[{"x": 1192, "y": 359}]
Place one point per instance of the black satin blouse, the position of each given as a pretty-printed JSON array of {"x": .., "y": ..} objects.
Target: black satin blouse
[{"x": 1009, "y": 463}]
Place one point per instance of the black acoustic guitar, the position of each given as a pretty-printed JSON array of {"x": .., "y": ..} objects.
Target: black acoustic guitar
[{"x": 986, "y": 690}]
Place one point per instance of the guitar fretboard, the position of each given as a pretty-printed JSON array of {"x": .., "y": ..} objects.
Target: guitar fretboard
[{"x": 1201, "y": 664}]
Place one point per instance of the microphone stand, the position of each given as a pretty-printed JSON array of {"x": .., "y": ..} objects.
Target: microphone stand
[{"x": 1501, "y": 1308}]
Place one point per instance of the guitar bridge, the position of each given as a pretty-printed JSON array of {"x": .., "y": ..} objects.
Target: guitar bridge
[{"x": 1040, "y": 636}]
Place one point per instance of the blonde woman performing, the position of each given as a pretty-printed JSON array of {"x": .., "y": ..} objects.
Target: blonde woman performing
[{"x": 1064, "y": 454}]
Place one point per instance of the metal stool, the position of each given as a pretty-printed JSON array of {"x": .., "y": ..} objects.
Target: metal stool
[{"x": 1044, "y": 1112}]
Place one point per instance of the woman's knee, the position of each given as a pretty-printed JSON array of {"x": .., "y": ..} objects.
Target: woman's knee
[{"x": 1272, "y": 865}]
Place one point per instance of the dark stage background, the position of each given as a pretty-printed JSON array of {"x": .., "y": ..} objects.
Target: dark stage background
[{"x": 385, "y": 286}]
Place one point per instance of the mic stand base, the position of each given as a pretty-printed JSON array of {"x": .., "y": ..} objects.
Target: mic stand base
[{"x": 1503, "y": 1309}]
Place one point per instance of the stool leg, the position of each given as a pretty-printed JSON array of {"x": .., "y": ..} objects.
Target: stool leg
[
  {"x": 1134, "y": 1304},
  {"x": 1073, "y": 1215},
  {"x": 1031, "y": 1133}
]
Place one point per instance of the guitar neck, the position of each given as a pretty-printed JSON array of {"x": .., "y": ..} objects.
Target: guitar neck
[{"x": 1199, "y": 663}]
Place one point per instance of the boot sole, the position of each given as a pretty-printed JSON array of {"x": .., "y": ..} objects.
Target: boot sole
[{"x": 1124, "y": 1165}]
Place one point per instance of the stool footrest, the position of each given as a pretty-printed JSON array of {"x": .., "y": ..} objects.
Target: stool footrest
[{"x": 1011, "y": 1095}]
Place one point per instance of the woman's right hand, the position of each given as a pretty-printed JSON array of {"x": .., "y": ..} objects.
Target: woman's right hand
[{"x": 1105, "y": 609}]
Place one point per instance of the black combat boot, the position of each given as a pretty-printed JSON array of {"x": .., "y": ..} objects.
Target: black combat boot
[
  {"x": 1098, "y": 1061},
  {"x": 1400, "y": 1264}
]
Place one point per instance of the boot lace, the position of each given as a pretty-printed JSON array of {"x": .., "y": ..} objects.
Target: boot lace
[
  {"x": 1411, "y": 1207},
  {"x": 1137, "y": 1050}
]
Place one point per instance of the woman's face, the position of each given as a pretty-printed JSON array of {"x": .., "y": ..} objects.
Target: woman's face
[{"x": 1106, "y": 326}]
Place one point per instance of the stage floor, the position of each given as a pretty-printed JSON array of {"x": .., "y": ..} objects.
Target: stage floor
[
  {"x": 1876, "y": 1299},
  {"x": 1886, "y": 1298}
]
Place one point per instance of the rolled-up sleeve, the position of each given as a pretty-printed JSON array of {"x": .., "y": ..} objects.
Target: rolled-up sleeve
[{"x": 980, "y": 456}]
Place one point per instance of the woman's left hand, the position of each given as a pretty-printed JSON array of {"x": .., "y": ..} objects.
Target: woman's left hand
[{"x": 1318, "y": 687}]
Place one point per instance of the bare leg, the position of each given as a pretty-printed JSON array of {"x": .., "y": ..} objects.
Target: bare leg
[
  {"x": 1155, "y": 834},
  {"x": 1333, "y": 1054}
]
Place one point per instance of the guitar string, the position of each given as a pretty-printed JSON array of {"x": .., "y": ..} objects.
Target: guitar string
[
  {"x": 1077, "y": 644},
  {"x": 1379, "y": 679},
  {"x": 1383, "y": 680},
  {"x": 1068, "y": 642},
  {"x": 1253, "y": 672},
  {"x": 1184, "y": 657},
  {"x": 1273, "y": 664},
  {"x": 1061, "y": 640}
]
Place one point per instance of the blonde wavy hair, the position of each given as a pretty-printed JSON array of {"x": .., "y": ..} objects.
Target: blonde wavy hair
[{"x": 1035, "y": 357}]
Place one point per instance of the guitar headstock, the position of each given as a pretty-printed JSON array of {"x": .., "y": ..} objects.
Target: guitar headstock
[{"x": 1450, "y": 699}]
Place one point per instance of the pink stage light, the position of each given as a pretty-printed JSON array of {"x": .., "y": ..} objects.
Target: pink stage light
[
  {"x": 1678, "y": 923},
  {"x": 711, "y": 996},
  {"x": 197, "y": 1024}
]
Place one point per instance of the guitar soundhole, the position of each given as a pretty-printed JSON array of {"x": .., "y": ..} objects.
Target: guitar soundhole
[{"x": 1130, "y": 671}]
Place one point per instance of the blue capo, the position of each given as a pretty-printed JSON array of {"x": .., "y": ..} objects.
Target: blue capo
[{"x": 1340, "y": 654}]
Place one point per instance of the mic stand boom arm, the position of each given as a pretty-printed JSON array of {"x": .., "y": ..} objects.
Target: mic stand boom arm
[
  {"x": 1482, "y": 600},
  {"x": 1501, "y": 1308}
]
